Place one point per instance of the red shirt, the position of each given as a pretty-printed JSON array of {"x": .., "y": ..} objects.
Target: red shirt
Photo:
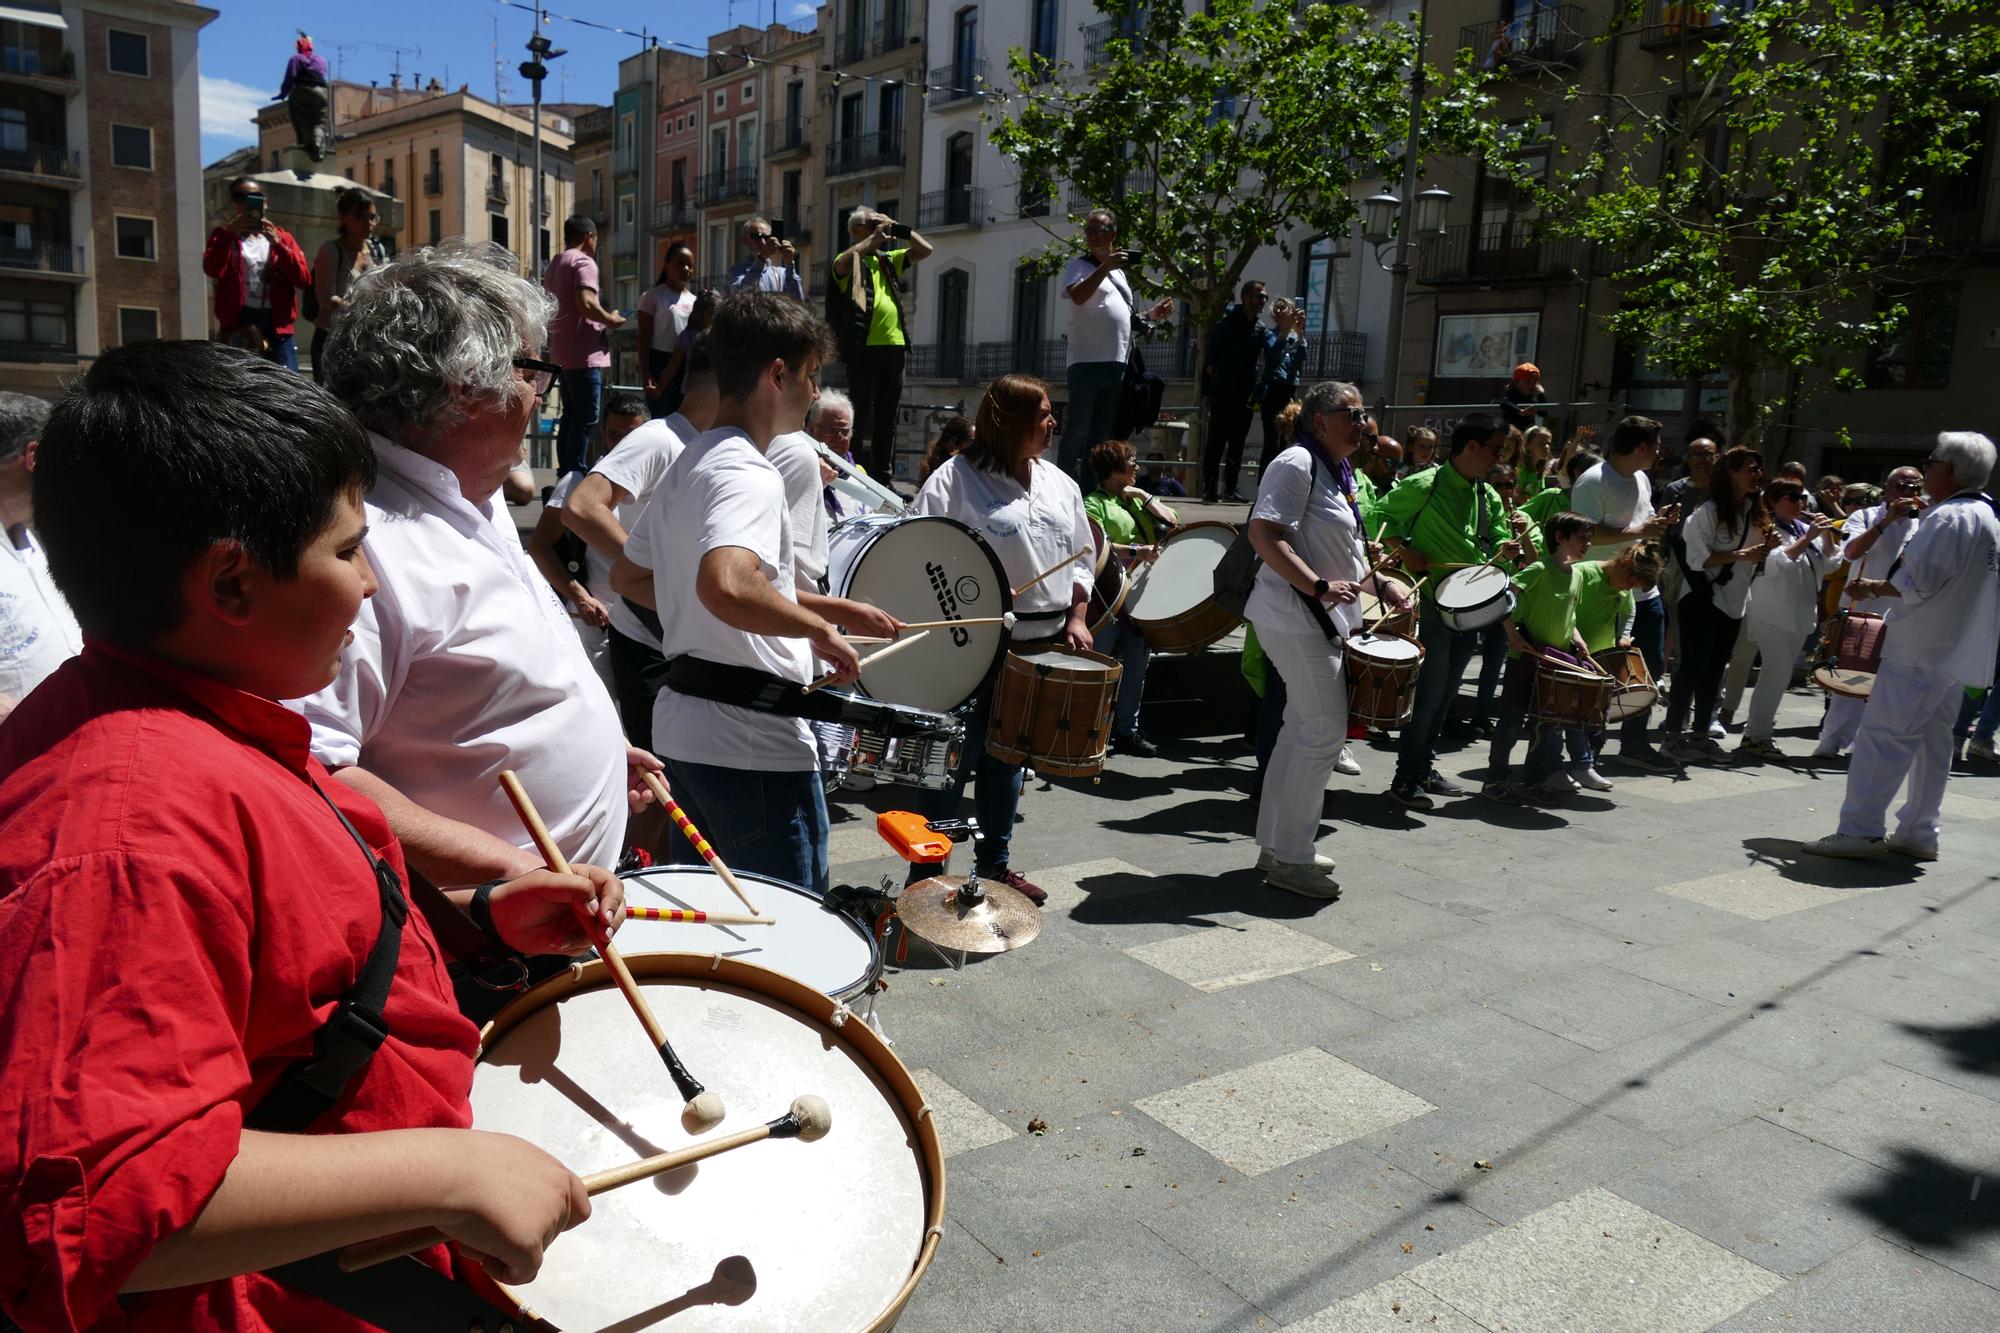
[
  {"x": 286, "y": 273},
  {"x": 179, "y": 912}
]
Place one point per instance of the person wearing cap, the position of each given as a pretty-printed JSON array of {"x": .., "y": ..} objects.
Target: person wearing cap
[{"x": 1524, "y": 398}]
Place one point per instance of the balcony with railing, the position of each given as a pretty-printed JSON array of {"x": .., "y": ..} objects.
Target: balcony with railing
[
  {"x": 963, "y": 81},
  {"x": 434, "y": 181},
  {"x": 891, "y": 34},
  {"x": 963, "y": 206},
  {"x": 1097, "y": 38},
  {"x": 673, "y": 215},
  {"x": 1337, "y": 354},
  {"x": 1667, "y": 24},
  {"x": 725, "y": 186},
  {"x": 1493, "y": 252},
  {"x": 789, "y": 139},
  {"x": 496, "y": 189},
  {"x": 46, "y": 164},
  {"x": 52, "y": 259},
  {"x": 864, "y": 152},
  {"x": 954, "y": 361},
  {"x": 850, "y": 45},
  {"x": 1043, "y": 358},
  {"x": 1548, "y": 37},
  {"x": 797, "y": 222},
  {"x": 33, "y": 56}
]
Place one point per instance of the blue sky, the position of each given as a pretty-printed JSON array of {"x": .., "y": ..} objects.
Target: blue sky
[{"x": 243, "y": 53}]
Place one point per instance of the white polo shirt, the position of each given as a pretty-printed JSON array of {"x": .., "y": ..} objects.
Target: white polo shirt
[
  {"x": 1029, "y": 529},
  {"x": 463, "y": 664},
  {"x": 635, "y": 468},
  {"x": 722, "y": 491},
  {"x": 1611, "y": 499},
  {"x": 37, "y": 631},
  {"x": 1875, "y": 565},
  {"x": 796, "y": 456},
  {"x": 1948, "y": 617}
]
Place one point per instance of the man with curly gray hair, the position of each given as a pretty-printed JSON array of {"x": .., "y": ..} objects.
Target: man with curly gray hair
[
  {"x": 37, "y": 631},
  {"x": 463, "y": 664}
]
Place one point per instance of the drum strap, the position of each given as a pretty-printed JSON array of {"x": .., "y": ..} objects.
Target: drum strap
[
  {"x": 401, "y": 1296},
  {"x": 763, "y": 692}
]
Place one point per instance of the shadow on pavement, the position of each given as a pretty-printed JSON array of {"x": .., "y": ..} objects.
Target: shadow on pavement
[
  {"x": 1122, "y": 899},
  {"x": 1974, "y": 1048},
  {"x": 1831, "y": 872},
  {"x": 1932, "y": 1201}
]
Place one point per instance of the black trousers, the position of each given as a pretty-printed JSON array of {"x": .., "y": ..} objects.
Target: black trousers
[
  {"x": 875, "y": 383},
  {"x": 1228, "y": 426},
  {"x": 1708, "y": 637},
  {"x": 639, "y": 673},
  {"x": 1276, "y": 396}
]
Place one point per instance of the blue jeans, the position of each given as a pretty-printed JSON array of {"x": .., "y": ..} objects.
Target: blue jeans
[
  {"x": 768, "y": 823},
  {"x": 1447, "y": 652},
  {"x": 1094, "y": 387},
  {"x": 581, "y": 390},
  {"x": 284, "y": 348},
  {"x": 1545, "y": 739},
  {"x": 1129, "y": 647},
  {"x": 1492, "y": 662},
  {"x": 996, "y": 798},
  {"x": 1649, "y": 636}
]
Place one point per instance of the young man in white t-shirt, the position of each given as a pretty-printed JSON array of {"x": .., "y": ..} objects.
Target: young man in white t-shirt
[
  {"x": 1101, "y": 309},
  {"x": 1617, "y": 495},
  {"x": 720, "y": 542}
]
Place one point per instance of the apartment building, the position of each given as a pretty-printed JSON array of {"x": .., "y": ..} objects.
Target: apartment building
[
  {"x": 792, "y": 175},
  {"x": 101, "y": 225},
  {"x": 869, "y": 95},
  {"x": 732, "y": 117},
  {"x": 464, "y": 166},
  {"x": 590, "y": 150},
  {"x": 629, "y": 256},
  {"x": 678, "y": 162},
  {"x": 1499, "y": 289}
]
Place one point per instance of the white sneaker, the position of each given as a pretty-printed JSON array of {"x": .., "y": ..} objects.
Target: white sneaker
[
  {"x": 1977, "y": 748},
  {"x": 1717, "y": 730},
  {"x": 1592, "y": 780},
  {"x": 1346, "y": 764},
  {"x": 1306, "y": 881},
  {"x": 1845, "y": 845},
  {"x": 1916, "y": 851},
  {"x": 1568, "y": 780},
  {"x": 1827, "y": 750},
  {"x": 1268, "y": 859}
]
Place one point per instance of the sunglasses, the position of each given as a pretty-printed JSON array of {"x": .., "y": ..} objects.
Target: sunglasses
[{"x": 538, "y": 373}]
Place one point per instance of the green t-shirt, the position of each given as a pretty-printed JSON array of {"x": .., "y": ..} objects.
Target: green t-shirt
[
  {"x": 1545, "y": 505},
  {"x": 1124, "y": 521},
  {"x": 1545, "y": 603},
  {"x": 885, "y": 322},
  {"x": 1438, "y": 511},
  {"x": 1599, "y": 606},
  {"x": 1371, "y": 503}
]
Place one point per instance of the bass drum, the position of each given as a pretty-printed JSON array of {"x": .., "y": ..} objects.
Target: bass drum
[
  {"x": 810, "y": 942},
  {"x": 928, "y": 568},
  {"x": 1107, "y": 595}
]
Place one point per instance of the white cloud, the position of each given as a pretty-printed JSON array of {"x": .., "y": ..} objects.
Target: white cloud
[
  {"x": 229, "y": 109},
  {"x": 803, "y": 11}
]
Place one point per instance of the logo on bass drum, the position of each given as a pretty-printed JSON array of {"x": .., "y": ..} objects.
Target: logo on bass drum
[{"x": 947, "y": 600}]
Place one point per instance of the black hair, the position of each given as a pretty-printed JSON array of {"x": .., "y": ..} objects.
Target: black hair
[
  {"x": 699, "y": 362},
  {"x": 1632, "y": 434},
  {"x": 1567, "y": 524},
  {"x": 1580, "y": 462},
  {"x": 667, "y": 257},
  {"x": 1473, "y": 429},
  {"x": 164, "y": 449},
  {"x": 752, "y": 329},
  {"x": 575, "y": 229},
  {"x": 256, "y": 185},
  {"x": 626, "y": 405},
  {"x": 352, "y": 200}
]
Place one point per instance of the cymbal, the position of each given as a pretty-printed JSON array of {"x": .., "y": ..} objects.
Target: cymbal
[{"x": 996, "y": 920}]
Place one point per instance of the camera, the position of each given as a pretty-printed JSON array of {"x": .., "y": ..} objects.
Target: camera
[
  {"x": 900, "y": 230},
  {"x": 778, "y": 229}
]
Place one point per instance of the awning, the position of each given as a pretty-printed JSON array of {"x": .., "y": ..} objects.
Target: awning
[{"x": 41, "y": 18}]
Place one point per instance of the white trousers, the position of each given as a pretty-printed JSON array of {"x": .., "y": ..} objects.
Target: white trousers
[
  {"x": 1905, "y": 730},
  {"x": 1842, "y": 721},
  {"x": 1778, "y": 646},
  {"x": 1309, "y": 743}
]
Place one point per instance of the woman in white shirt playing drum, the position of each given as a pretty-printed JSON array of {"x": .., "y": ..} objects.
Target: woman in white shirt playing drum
[
  {"x": 1032, "y": 516},
  {"x": 1785, "y": 607},
  {"x": 1306, "y": 528}
]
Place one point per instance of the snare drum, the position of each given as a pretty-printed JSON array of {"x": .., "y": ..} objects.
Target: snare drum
[
  {"x": 1474, "y": 597},
  {"x": 1569, "y": 697},
  {"x": 833, "y": 1235},
  {"x": 1173, "y": 599},
  {"x": 885, "y": 742},
  {"x": 1109, "y": 592},
  {"x": 827, "y": 950},
  {"x": 928, "y": 568},
  {"x": 1857, "y": 656},
  {"x": 1379, "y": 612},
  {"x": 1052, "y": 709},
  {"x": 1635, "y": 691},
  {"x": 1382, "y": 672}
]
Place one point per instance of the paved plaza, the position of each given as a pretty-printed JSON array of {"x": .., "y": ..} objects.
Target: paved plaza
[{"x": 1629, "y": 1064}]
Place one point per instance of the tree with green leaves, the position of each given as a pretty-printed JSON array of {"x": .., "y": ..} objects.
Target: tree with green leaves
[
  {"x": 1213, "y": 133},
  {"x": 1762, "y": 203}
]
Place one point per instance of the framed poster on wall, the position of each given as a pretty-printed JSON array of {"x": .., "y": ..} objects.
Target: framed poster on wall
[{"x": 1485, "y": 345}]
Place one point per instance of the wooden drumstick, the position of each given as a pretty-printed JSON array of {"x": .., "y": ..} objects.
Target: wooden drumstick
[
  {"x": 1006, "y": 619},
  {"x": 696, "y": 917},
  {"x": 1054, "y": 569},
  {"x": 708, "y": 853},
  {"x": 873, "y": 657},
  {"x": 808, "y": 1121},
  {"x": 703, "y": 1109}
]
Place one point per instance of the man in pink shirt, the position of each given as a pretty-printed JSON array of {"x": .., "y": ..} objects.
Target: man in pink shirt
[{"x": 579, "y": 340}]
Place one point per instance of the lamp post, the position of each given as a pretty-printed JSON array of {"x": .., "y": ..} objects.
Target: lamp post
[
  {"x": 1417, "y": 216},
  {"x": 534, "y": 69}
]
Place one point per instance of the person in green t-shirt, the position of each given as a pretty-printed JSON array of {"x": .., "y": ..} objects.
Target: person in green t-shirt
[
  {"x": 1133, "y": 528},
  {"x": 868, "y": 318},
  {"x": 1541, "y": 627}
]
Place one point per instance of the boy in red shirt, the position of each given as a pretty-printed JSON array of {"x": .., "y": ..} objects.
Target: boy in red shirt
[{"x": 185, "y": 896}]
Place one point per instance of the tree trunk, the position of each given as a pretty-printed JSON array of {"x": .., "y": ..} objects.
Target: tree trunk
[{"x": 1745, "y": 422}]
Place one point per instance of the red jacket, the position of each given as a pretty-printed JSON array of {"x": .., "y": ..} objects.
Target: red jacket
[{"x": 288, "y": 271}]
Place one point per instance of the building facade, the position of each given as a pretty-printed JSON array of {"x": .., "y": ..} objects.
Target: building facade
[
  {"x": 792, "y": 173},
  {"x": 873, "y": 107},
  {"x": 732, "y": 154},
  {"x": 630, "y": 256},
  {"x": 101, "y": 226}
]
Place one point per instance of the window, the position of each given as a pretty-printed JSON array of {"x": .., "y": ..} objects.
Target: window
[
  {"x": 389, "y": 177},
  {"x": 746, "y": 94},
  {"x": 1917, "y": 354},
  {"x": 135, "y": 237},
  {"x": 791, "y": 190},
  {"x": 542, "y": 240},
  {"x": 954, "y": 291},
  {"x": 137, "y": 325},
  {"x": 890, "y": 119},
  {"x": 132, "y": 146},
  {"x": 128, "y": 52},
  {"x": 1031, "y": 294},
  {"x": 1654, "y": 385},
  {"x": 964, "y": 45},
  {"x": 1044, "y": 32},
  {"x": 718, "y": 151},
  {"x": 678, "y": 190},
  {"x": 40, "y": 323},
  {"x": 498, "y": 166},
  {"x": 628, "y": 211},
  {"x": 436, "y": 229},
  {"x": 721, "y": 100},
  {"x": 596, "y": 189},
  {"x": 1033, "y": 196},
  {"x": 497, "y": 222},
  {"x": 13, "y": 130}
]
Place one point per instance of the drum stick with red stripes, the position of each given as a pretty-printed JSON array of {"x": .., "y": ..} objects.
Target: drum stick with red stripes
[
  {"x": 703, "y": 1109},
  {"x": 696, "y": 917},
  {"x": 809, "y": 1120},
  {"x": 693, "y": 835}
]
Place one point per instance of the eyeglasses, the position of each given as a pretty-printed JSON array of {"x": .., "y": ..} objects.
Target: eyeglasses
[
  {"x": 1100, "y": 231},
  {"x": 1932, "y": 461},
  {"x": 538, "y": 373}
]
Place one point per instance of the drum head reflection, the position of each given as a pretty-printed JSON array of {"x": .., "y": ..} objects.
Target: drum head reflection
[
  {"x": 924, "y": 569},
  {"x": 1183, "y": 577}
]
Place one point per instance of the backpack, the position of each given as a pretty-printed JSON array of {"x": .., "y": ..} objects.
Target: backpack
[
  {"x": 1236, "y": 572},
  {"x": 1138, "y": 399}
]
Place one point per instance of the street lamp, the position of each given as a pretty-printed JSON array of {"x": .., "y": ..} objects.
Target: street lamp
[
  {"x": 534, "y": 69},
  {"x": 1380, "y": 215}
]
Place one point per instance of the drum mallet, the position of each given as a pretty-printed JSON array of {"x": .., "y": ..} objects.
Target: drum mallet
[
  {"x": 1054, "y": 569},
  {"x": 703, "y": 1109},
  {"x": 873, "y": 657},
  {"x": 693, "y": 835},
  {"x": 1005, "y": 620},
  {"x": 809, "y": 1120}
]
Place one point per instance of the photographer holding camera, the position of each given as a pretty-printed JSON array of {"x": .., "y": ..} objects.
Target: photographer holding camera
[
  {"x": 773, "y": 265},
  {"x": 865, "y": 309},
  {"x": 258, "y": 270},
  {"x": 1103, "y": 314}
]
